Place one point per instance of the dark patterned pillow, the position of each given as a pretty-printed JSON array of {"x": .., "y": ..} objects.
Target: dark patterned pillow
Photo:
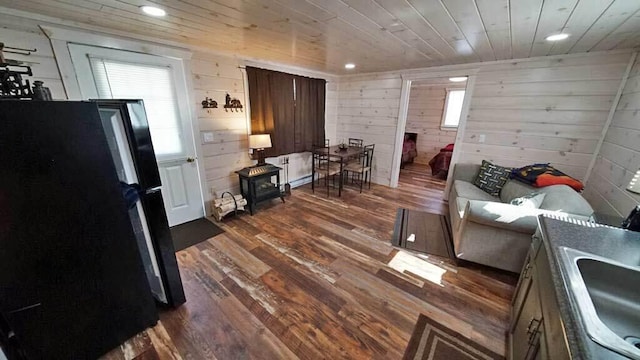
[{"x": 491, "y": 178}]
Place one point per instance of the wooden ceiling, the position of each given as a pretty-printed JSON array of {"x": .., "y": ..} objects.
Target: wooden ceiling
[{"x": 376, "y": 35}]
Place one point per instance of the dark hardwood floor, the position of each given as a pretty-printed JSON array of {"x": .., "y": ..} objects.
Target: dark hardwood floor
[{"x": 317, "y": 278}]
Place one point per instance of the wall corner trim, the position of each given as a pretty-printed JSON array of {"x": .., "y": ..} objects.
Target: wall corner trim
[{"x": 612, "y": 111}]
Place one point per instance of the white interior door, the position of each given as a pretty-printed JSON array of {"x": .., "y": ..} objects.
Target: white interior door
[{"x": 160, "y": 82}]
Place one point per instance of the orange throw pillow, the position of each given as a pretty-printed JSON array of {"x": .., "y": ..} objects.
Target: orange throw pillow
[{"x": 548, "y": 179}]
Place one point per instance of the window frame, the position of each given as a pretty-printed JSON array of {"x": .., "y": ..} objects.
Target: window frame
[{"x": 446, "y": 106}]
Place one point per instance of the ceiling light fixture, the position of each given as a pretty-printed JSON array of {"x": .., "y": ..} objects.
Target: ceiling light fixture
[
  {"x": 458, "y": 79},
  {"x": 153, "y": 11},
  {"x": 557, "y": 37},
  {"x": 349, "y": 66}
]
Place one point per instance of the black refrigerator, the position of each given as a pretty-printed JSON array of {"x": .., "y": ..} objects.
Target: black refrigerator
[
  {"x": 73, "y": 283},
  {"x": 128, "y": 136}
]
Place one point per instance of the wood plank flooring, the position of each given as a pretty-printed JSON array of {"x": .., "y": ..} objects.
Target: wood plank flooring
[{"x": 317, "y": 278}]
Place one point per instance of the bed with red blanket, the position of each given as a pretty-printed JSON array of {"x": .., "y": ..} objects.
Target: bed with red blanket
[{"x": 440, "y": 163}]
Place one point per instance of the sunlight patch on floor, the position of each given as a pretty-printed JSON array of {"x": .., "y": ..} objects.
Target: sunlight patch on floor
[{"x": 404, "y": 261}]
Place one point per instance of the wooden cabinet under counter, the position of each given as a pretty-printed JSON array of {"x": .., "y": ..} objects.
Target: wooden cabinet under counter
[{"x": 536, "y": 330}]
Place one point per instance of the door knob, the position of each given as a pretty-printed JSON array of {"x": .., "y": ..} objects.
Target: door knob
[{"x": 190, "y": 159}]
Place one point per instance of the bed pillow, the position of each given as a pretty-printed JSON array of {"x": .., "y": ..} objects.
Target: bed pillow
[
  {"x": 491, "y": 178},
  {"x": 529, "y": 201}
]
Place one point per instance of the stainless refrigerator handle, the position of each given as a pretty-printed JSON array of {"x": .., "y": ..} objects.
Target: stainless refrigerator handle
[{"x": 153, "y": 190}]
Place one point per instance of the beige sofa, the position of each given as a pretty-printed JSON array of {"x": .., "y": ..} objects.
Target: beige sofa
[{"x": 488, "y": 230}]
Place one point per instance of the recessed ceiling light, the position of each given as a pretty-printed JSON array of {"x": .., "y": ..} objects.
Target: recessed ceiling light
[
  {"x": 349, "y": 66},
  {"x": 458, "y": 79},
  {"x": 557, "y": 37},
  {"x": 153, "y": 11}
]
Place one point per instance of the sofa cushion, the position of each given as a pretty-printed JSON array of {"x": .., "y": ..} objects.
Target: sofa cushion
[
  {"x": 515, "y": 189},
  {"x": 492, "y": 178},
  {"x": 563, "y": 199},
  {"x": 463, "y": 192},
  {"x": 504, "y": 216},
  {"x": 461, "y": 206},
  {"x": 466, "y": 172},
  {"x": 469, "y": 191},
  {"x": 532, "y": 201}
]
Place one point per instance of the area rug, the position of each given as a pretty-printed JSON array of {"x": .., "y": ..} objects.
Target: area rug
[
  {"x": 424, "y": 232},
  {"x": 193, "y": 232},
  {"x": 433, "y": 341}
]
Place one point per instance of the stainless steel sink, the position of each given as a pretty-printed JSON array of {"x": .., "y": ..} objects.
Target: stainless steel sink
[{"x": 608, "y": 297}]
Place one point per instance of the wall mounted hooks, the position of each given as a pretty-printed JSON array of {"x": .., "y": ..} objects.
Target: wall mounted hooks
[
  {"x": 209, "y": 103},
  {"x": 232, "y": 104},
  {"x": 16, "y": 50}
]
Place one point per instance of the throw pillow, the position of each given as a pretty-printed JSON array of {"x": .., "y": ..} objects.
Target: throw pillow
[
  {"x": 529, "y": 201},
  {"x": 540, "y": 175},
  {"x": 556, "y": 179},
  {"x": 491, "y": 178}
]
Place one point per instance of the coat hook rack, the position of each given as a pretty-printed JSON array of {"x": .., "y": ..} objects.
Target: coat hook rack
[
  {"x": 16, "y": 50},
  {"x": 209, "y": 103},
  {"x": 12, "y": 73},
  {"x": 232, "y": 104},
  {"x": 13, "y": 50}
]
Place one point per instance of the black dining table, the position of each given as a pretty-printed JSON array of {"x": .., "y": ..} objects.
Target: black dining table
[{"x": 338, "y": 154}]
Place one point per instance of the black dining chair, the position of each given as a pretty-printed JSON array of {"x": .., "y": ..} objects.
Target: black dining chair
[
  {"x": 323, "y": 167},
  {"x": 362, "y": 169},
  {"x": 356, "y": 142}
]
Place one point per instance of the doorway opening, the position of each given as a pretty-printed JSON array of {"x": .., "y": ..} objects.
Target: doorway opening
[{"x": 433, "y": 116}]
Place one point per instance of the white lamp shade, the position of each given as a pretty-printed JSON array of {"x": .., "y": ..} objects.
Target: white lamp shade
[{"x": 259, "y": 141}]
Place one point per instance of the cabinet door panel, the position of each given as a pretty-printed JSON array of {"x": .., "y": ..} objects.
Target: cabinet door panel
[
  {"x": 522, "y": 290},
  {"x": 529, "y": 319},
  {"x": 542, "y": 353},
  {"x": 553, "y": 330}
]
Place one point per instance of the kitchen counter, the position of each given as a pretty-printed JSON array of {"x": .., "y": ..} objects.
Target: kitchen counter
[{"x": 609, "y": 242}]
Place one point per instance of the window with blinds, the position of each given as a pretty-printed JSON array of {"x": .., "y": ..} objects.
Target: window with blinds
[{"x": 154, "y": 85}]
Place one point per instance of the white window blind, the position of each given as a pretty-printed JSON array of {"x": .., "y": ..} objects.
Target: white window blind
[
  {"x": 453, "y": 108},
  {"x": 154, "y": 85}
]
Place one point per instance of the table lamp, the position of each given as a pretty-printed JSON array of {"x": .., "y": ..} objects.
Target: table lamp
[{"x": 259, "y": 142}]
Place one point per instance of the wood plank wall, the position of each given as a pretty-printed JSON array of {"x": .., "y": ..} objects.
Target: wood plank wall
[
  {"x": 619, "y": 157},
  {"x": 368, "y": 109},
  {"x": 544, "y": 109},
  {"x": 23, "y": 33},
  {"x": 424, "y": 117},
  {"x": 213, "y": 76}
]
